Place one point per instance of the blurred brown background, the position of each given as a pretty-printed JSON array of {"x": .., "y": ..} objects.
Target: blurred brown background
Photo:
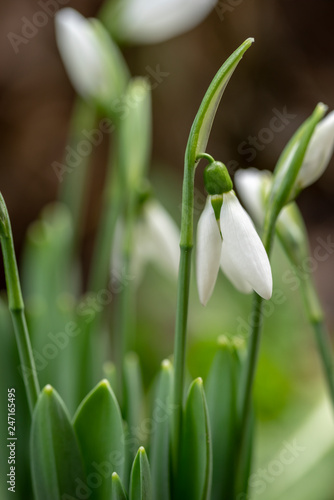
[{"x": 290, "y": 66}]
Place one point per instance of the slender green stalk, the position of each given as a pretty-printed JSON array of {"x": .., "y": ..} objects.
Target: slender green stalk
[
  {"x": 16, "y": 307},
  {"x": 73, "y": 180},
  {"x": 180, "y": 347},
  {"x": 248, "y": 374},
  {"x": 126, "y": 330},
  {"x": 110, "y": 211},
  {"x": 186, "y": 244},
  {"x": 316, "y": 318},
  {"x": 99, "y": 274},
  {"x": 325, "y": 351}
]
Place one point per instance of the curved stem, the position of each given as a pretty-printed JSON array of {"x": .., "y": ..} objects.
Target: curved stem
[{"x": 16, "y": 306}]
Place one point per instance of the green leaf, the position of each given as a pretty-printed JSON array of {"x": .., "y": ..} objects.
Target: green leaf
[
  {"x": 133, "y": 391},
  {"x": 117, "y": 490},
  {"x": 290, "y": 162},
  {"x": 99, "y": 428},
  {"x": 221, "y": 393},
  {"x": 46, "y": 272},
  {"x": 132, "y": 406},
  {"x": 140, "y": 481},
  {"x": 160, "y": 445},
  {"x": 56, "y": 463},
  {"x": 109, "y": 371},
  {"x": 195, "y": 467},
  {"x": 201, "y": 128}
]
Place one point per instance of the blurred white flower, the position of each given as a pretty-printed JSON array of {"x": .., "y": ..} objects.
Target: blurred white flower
[
  {"x": 318, "y": 153},
  {"x": 156, "y": 240},
  {"x": 234, "y": 245},
  {"x": 92, "y": 61},
  {"x": 253, "y": 187},
  {"x": 145, "y": 21}
]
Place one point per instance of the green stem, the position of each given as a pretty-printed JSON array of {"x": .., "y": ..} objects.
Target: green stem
[
  {"x": 126, "y": 331},
  {"x": 325, "y": 351},
  {"x": 315, "y": 316},
  {"x": 99, "y": 274},
  {"x": 248, "y": 374},
  {"x": 74, "y": 179},
  {"x": 111, "y": 208},
  {"x": 186, "y": 244},
  {"x": 180, "y": 347},
  {"x": 16, "y": 307}
]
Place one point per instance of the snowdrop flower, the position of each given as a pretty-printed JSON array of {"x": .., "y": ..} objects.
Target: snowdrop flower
[
  {"x": 226, "y": 238},
  {"x": 253, "y": 187},
  {"x": 92, "y": 62},
  {"x": 318, "y": 153},
  {"x": 156, "y": 240},
  {"x": 145, "y": 21}
]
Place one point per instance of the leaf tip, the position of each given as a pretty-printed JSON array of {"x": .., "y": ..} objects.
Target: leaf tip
[
  {"x": 166, "y": 364},
  {"x": 104, "y": 384},
  {"x": 48, "y": 390}
]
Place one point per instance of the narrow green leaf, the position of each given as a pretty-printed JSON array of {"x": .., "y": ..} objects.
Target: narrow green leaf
[
  {"x": 99, "y": 428},
  {"x": 195, "y": 467},
  {"x": 132, "y": 407},
  {"x": 109, "y": 370},
  {"x": 133, "y": 391},
  {"x": 140, "y": 481},
  {"x": 201, "y": 128},
  {"x": 160, "y": 438},
  {"x": 56, "y": 463},
  {"x": 221, "y": 393},
  {"x": 117, "y": 490}
]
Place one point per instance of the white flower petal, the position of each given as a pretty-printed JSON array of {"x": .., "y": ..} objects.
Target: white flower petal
[
  {"x": 80, "y": 52},
  {"x": 233, "y": 272},
  {"x": 145, "y": 21},
  {"x": 250, "y": 184},
  {"x": 162, "y": 237},
  {"x": 318, "y": 153},
  {"x": 208, "y": 251},
  {"x": 244, "y": 246}
]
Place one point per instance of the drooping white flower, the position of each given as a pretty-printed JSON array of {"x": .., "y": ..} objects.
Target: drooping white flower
[
  {"x": 92, "y": 62},
  {"x": 318, "y": 153},
  {"x": 156, "y": 240},
  {"x": 208, "y": 248},
  {"x": 234, "y": 245},
  {"x": 145, "y": 21}
]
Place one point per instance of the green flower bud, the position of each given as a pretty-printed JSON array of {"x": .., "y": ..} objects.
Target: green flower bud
[{"x": 217, "y": 179}]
